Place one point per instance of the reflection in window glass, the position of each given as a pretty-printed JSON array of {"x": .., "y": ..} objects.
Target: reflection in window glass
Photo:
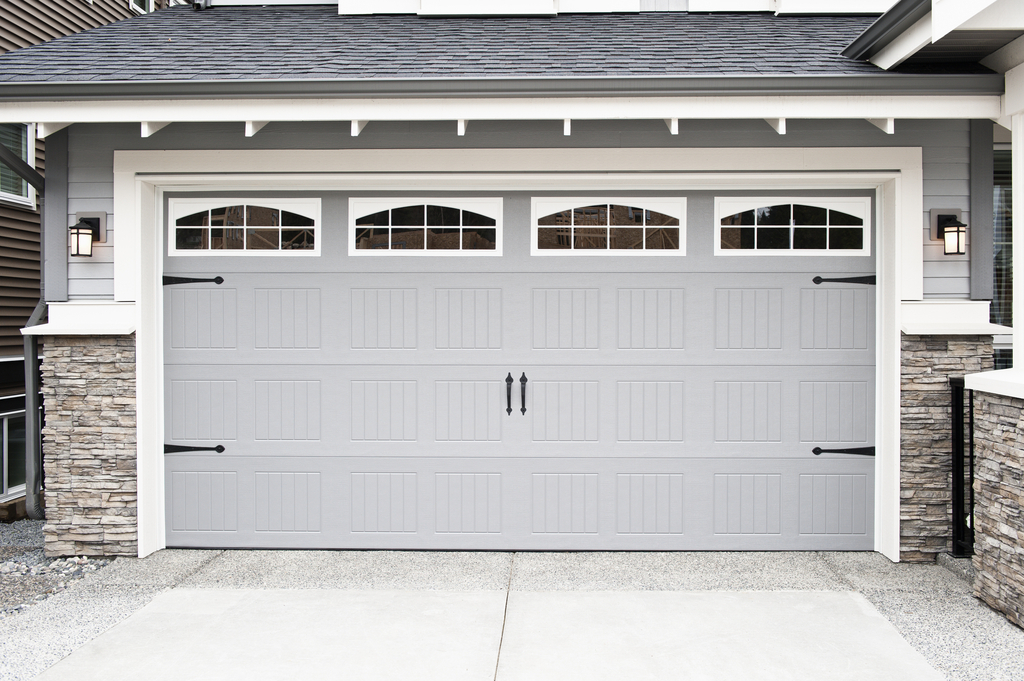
[
  {"x": 608, "y": 227},
  {"x": 230, "y": 239},
  {"x": 191, "y": 239},
  {"x": 408, "y": 216},
  {"x": 663, "y": 238},
  {"x": 261, "y": 216},
  {"x": 791, "y": 227},
  {"x": 809, "y": 215},
  {"x": 479, "y": 239},
  {"x": 810, "y": 238},
  {"x": 447, "y": 229},
  {"x": 554, "y": 238},
  {"x": 407, "y": 239},
  {"x": 245, "y": 228},
  {"x": 626, "y": 238}
]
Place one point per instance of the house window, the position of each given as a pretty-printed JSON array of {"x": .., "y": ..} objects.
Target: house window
[
  {"x": 141, "y": 6},
  {"x": 1001, "y": 310},
  {"x": 19, "y": 138},
  {"x": 12, "y": 431},
  {"x": 241, "y": 227},
  {"x": 792, "y": 226},
  {"x": 608, "y": 226},
  {"x": 425, "y": 226}
]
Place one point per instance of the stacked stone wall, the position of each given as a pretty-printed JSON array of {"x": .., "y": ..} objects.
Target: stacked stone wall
[
  {"x": 998, "y": 498},
  {"x": 89, "y": 445},
  {"x": 926, "y": 446}
]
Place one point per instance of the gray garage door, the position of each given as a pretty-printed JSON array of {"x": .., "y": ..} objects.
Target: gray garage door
[{"x": 523, "y": 400}]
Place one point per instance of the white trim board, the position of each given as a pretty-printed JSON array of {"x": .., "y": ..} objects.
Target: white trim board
[
  {"x": 735, "y": 107},
  {"x": 141, "y": 178}
]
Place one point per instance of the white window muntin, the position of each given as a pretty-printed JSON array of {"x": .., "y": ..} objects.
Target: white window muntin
[
  {"x": 673, "y": 207},
  {"x": 858, "y": 206},
  {"x": 358, "y": 206},
  {"x": 27, "y": 193},
  {"x": 179, "y": 208}
]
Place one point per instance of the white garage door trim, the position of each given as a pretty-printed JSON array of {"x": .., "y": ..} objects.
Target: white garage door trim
[{"x": 140, "y": 179}]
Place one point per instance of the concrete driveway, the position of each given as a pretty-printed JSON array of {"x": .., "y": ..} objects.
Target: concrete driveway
[{"x": 512, "y": 617}]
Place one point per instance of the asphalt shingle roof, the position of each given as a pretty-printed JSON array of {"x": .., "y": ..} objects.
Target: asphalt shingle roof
[{"x": 314, "y": 42}]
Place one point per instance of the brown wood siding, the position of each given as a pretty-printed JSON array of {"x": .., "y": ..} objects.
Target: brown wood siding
[
  {"x": 19, "y": 267},
  {"x": 30, "y": 22}
]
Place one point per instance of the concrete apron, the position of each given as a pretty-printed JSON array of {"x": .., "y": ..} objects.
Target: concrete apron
[{"x": 227, "y": 634}]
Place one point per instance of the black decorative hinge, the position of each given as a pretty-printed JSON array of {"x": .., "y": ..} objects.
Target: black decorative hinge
[
  {"x": 870, "y": 279},
  {"x": 176, "y": 449},
  {"x": 190, "y": 280},
  {"x": 860, "y": 451}
]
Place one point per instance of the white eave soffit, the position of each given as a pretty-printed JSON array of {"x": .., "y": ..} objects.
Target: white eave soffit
[{"x": 554, "y": 7}]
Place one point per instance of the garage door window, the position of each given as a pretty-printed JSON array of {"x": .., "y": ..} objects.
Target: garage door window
[
  {"x": 266, "y": 227},
  {"x": 425, "y": 227},
  {"x": 783, "y": 226},
  {"x": 631, "y": 226}
]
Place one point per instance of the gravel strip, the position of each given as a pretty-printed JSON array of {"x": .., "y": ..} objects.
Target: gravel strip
[{"x": 27, "y": 576}]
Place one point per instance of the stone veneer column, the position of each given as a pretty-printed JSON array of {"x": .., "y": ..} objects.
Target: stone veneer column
[
  {"x": 89, "y": 445},
  {"x": 998, "y": 498},
  {"x": 925, "y": 438}
]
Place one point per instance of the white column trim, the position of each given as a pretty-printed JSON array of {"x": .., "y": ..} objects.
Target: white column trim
[{"x": 141, "y": 177}]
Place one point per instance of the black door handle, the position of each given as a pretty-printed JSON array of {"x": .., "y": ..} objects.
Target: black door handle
[
  {"x": 508, "y": 392},
  {"x": 861, "y": 451},
  {"x": 170, "y": 281},
  {"x": 174, "y": 449},
  {"x": 869, "y": 280},
  {"x": 522, "y": 385}
]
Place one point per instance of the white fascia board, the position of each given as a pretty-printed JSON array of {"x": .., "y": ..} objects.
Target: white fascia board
[
  {"x": 497, "y": 109},
  {"x": 597, "y": 6},
  {"x": 833, "y": 6},
  {"x": 1013, "y": 101},
  {"x": 1006, "y": 382},
  {"x": 1001, "y": 15},
  {"x": 732, "y": 5},
  {"x": 86, "y": 318},
  {"x": 949, "y": 15},
  {"x": 463, "y": 8},
  {"x": 948, "y": 318},
  {"x": 1006, "y": 57},
  {"x": 378, "y": 6},
  {"x": 905, "y": 45},
  {"x": 241, "y": 3}
]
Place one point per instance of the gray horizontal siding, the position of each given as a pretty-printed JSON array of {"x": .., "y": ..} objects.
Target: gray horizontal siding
[{"x": 946, "y": 156}]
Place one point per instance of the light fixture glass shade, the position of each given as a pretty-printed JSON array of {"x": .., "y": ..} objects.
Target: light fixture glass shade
[
  {"x": 954, "y": 238},
  {"x": 81, "y": 240}
]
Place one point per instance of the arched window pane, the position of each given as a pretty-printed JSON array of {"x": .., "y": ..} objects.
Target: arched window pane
[
  {"x": 809, "y": 215},
  {"x": 836, "y": 217}
]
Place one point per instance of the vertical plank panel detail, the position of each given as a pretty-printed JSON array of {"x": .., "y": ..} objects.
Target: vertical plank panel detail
[
  {"x": 565, "y": 503},
  {"x": 287, "y": 318},
  {"x": 834, "y": 319},
  {"x": 564, "y": 411},
  {"x": 287, "y": 410},
  {"x": 651, "y": 318},
  {"x": 467, "y": 319},
  {"x": 384, "y": 410},
  {"x": 748, "y": 319},
  {"x": 650, "y": 411},
  {"x": 384, "y": 319},
  {"x": 383, "y": 502},
  {"x": 468, "y": 411},
  {"x": 287, "y": 502},
  {"x": 467, "y": 503},
  {"x": 748, "y": 504},
  {"x": 565, "y": 319},
  {"x": 649, "y": 503},
  {"x": 833, "y": 504},
  {"x": 203, "y": 318},
  {"x": 748, "y": 411},
  {"x": 833, "y": 411},
  {"x": 203, "y": 410},
  {"x": 204, "y": 501}
]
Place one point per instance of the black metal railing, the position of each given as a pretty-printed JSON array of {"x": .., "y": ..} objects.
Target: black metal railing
[{"x": 962, "y": 414}]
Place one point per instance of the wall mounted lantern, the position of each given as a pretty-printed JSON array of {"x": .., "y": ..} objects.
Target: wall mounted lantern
[
  {"x": 954, "y": 235},
  {"x": 83, "y": 234}
]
